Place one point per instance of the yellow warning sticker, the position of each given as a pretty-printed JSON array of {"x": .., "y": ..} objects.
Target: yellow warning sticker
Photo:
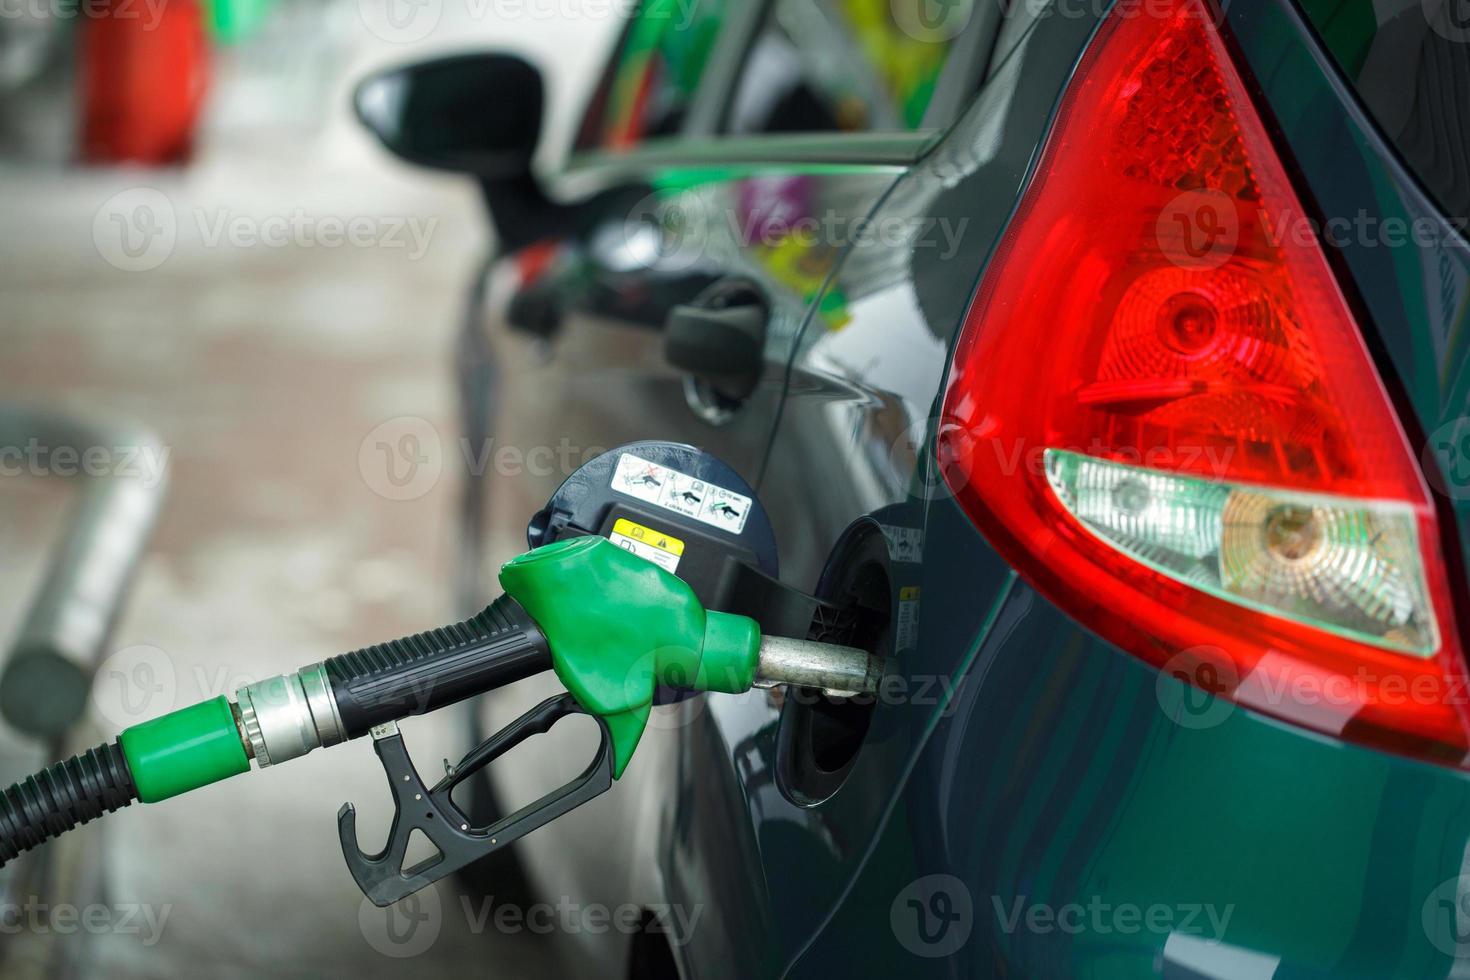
[{"x": 664, "y": 550}]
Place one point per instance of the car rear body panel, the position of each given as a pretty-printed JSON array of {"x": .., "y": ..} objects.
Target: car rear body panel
[
  {"x": 1098, "y": 818},
  {"x": 1094, "y": 817},
  {"x": 1059, "y": 784}
]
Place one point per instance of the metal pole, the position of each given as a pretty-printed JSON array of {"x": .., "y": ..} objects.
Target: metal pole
[{"x": 48, "y": 670}]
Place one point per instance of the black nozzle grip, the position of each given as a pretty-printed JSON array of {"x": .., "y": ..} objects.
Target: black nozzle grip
[{"x": 421, "y": 673}]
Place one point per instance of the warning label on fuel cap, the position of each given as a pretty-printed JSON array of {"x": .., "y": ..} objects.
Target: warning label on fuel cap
[
  {"x": 664, "y": 550},
  {"x": 681, "y": 493}
]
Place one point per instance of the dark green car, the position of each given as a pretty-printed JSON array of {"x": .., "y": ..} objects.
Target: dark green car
[{"x": 1108, "y": 363}]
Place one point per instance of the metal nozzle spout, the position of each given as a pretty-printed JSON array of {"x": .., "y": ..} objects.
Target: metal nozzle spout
[{"x": 837, "y": 670}]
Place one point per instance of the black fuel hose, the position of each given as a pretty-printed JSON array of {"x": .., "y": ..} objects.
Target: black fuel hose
[
  {"x": 203, "y": 743},
  {"x": 61, "y": 796}
]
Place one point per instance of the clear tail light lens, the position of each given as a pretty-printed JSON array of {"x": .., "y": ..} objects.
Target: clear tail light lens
[
  {"x": 1348, "y": 567},
  {"x": 1162, "y": 411}
]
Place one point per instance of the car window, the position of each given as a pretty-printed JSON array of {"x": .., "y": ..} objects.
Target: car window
[
  {"x": 840, "y": 66},
  {"x": 654, "y": 72},
  {"x": 1410, "y": 67}
]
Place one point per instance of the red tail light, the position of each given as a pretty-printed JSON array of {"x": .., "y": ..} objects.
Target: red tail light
[{"x": 1162, "y": 411}]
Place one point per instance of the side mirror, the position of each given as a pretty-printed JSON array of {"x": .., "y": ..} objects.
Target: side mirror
[
  {"x": 475, "y": 114},
  {"x": 478, "y": 114}
]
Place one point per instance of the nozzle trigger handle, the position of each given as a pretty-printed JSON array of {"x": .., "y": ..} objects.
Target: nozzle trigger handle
[{"x": 383, "y": 877}]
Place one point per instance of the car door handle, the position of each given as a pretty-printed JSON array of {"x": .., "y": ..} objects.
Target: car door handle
[{"x": 723, "y": 346}]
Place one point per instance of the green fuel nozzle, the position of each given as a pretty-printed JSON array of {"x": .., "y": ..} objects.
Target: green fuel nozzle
[
  {"x": 619, "y": 626},
  {"x": 613, "y": 626}
]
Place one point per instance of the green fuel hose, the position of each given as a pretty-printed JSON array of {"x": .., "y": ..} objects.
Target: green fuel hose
[{"x": 613, "y": 627}]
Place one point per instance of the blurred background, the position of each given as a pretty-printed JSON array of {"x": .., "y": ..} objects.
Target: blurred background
[{"x": 214, "y": 278}]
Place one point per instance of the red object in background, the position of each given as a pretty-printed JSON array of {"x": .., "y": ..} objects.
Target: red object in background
[
  {"x": 535, "y": 259},
  {"x": 144, "y": 72}
]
